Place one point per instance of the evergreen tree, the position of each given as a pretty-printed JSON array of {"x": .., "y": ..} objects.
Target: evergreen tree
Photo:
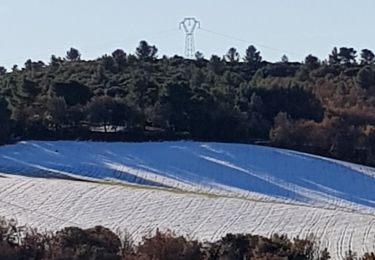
[
  {"x": 73, "y": 54},
  {"x": 232, "y": 55},
  {"x": 145, "y": 51},
  {"x": 334, "y": 58},
  {"x": 312, "y": 62},
  {"x": 367, "y": 57},
  {"x": 119, "y": 57},
  {"x": 199, "y": 56},
  {"x": 284, "y": 59},
  {"x": 366, "y": 77},
  {"x": 347, "y": 55},
  {"x": 252, "y": 56},
  {"x": 5, "y": 123},
  {"x": 3, "y": 71}
]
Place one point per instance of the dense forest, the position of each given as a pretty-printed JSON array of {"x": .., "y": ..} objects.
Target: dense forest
[{"x": 324, "y": 107}]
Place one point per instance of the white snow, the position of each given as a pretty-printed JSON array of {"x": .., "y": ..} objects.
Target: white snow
[{"x": 203, "y": 190}]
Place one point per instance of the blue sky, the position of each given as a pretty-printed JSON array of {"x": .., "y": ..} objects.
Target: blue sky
[{"x": 38, "y": 28}]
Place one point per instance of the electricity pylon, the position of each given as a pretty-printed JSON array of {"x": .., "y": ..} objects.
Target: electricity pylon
[{"x": 189, "y": 24}]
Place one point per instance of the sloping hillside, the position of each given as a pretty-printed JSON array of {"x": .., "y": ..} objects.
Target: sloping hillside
[
  {"x": 201, "y": 189},
  {"x": 236, "y": 169}
]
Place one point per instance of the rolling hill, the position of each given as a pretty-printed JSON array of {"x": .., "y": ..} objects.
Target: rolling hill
[{"x": 204, "y": 190}]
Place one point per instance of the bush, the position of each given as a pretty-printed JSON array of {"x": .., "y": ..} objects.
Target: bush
[{"x": 167, "y": 246}]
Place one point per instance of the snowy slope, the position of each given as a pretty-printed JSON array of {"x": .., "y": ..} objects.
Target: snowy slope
[
  {"x": 53, "y": 204},
  {"x": 235, "y": 169},
  {"x": 201, "y": 189}
]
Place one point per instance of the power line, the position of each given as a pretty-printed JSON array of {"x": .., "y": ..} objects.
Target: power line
[
  {"x": 152, "y": 35},
  {"x": 191, "y": 24},
  {"x": 248, "y": 42}
]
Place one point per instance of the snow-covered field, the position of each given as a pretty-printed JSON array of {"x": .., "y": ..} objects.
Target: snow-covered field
[{"x": 204, "y": 190}]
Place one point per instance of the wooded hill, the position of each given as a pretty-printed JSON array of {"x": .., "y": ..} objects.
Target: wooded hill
[{"x": 323, "y": 107}]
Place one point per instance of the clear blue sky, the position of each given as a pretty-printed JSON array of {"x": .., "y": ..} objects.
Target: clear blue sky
[{"x": 38, "y": 28}]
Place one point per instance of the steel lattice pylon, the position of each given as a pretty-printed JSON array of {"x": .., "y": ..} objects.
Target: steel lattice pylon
[{"x": 189, "y": 24}]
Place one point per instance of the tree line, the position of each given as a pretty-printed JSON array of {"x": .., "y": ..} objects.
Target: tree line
[
  {"x": 100, "y": 243},
  {"x": 325, "y": 107}
]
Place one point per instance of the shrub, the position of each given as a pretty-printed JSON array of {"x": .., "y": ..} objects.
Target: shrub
[{"x": 167, "y": 246}]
